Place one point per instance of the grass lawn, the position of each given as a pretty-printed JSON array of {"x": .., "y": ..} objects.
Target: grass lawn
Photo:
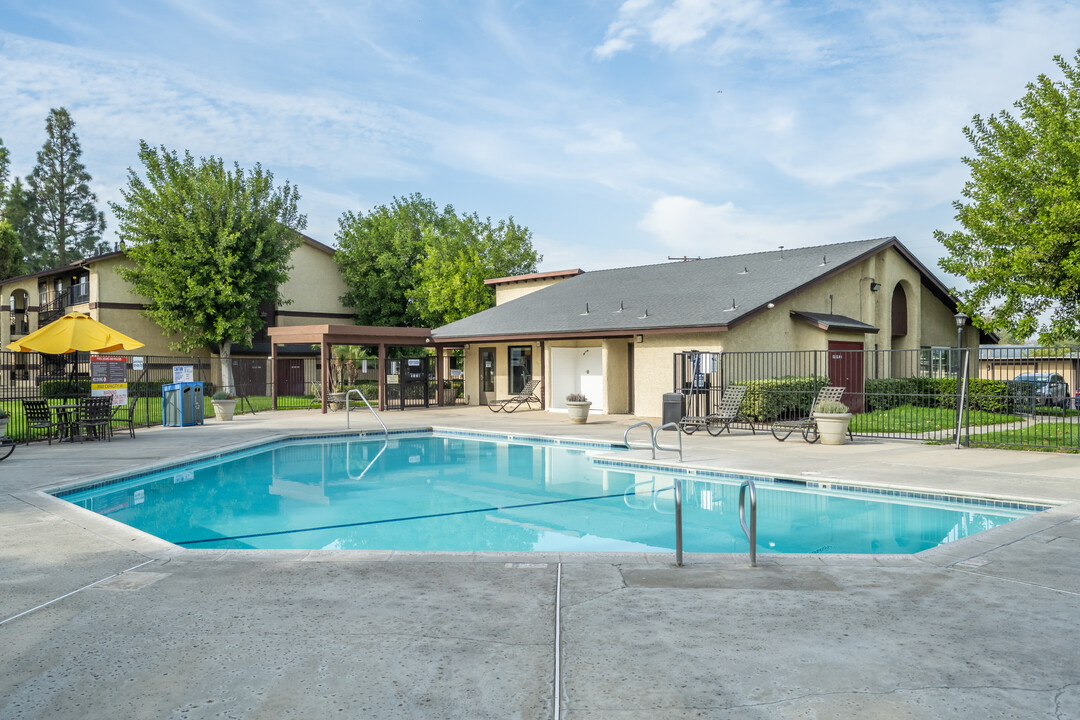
[
  {"x": 1058, "y": 436},
  {"x": 913, "y": 419}
]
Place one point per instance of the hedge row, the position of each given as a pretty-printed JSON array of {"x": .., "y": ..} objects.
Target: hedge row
[
  {"x": 53, "y": 389},
  {"x": 993, "y": 396},
  {"x": 786, "y": 397}
]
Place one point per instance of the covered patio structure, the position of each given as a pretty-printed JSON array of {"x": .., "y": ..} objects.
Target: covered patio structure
[{"x": 327, "y": 336}]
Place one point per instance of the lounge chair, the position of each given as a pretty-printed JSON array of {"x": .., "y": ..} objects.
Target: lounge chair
[
  {"x": 526, "y": 396},
  {"x": 727, "y": 412},
  {"x": 808, "y": 426},
  {"x": 316, "y": 390}
]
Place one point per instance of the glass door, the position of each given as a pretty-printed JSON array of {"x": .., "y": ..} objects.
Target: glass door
[
  {"x": 520, "y": 367},
  {"x": 487, "y": 375}
]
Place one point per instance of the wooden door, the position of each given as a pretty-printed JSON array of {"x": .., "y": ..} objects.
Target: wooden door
[{"x": 846, "y": 369}]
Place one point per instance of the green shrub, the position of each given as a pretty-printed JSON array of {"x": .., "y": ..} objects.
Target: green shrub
[
  {"x": 53, "y": 389},
  {"x": 785, "y": 397},
  {"x": 992, "y": 396}
]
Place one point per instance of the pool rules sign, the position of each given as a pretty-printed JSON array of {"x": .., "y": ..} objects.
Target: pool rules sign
[{"x": 108, "y": 378}]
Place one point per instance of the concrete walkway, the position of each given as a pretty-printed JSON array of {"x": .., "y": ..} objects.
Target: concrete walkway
[{"x": 100, "y": 620}]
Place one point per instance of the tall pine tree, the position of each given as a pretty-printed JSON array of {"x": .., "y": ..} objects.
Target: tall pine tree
[
  {"x": 63, "y": 207},
  {"x": 5, "y": 162},
  {"x": 17, "y": 211}
]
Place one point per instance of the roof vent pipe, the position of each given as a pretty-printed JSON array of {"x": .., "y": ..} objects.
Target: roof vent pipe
[
  {"x": 646, "y": 315},
  {"x": 824, "y": 261},
  {"x": 781, "y": 252},
  {"x": 586, "y": 309},
  {"x": 620, "y": 308},
  {"x": 744, "y": 271}
]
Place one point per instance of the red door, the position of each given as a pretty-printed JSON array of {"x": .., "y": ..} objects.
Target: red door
[
  {"x": 846, "y": 369},
  {"x": 289, "y": 376}
]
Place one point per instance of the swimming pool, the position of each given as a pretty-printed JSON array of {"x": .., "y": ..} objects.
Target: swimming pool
[{"x": 450, "y": 492}]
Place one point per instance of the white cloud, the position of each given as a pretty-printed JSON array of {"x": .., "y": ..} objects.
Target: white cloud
[{"x": 690, "y": 227}]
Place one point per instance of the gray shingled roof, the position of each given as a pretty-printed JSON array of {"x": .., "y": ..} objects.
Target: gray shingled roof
[
  {"x": 829, "y": 321},
  {"x": 698, "y": 293}
]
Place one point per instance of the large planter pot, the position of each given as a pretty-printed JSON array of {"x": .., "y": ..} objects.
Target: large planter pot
[
  {"x": 578, "y": 411},
  {"x": 224, "y": 409},
  {"x": 336, "y": 400},
  {"x": 3, "y": 426},
  {"x": 832, "y": 427}
]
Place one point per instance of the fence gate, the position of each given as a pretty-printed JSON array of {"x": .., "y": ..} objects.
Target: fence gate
[{"x": 409, "y": 383}]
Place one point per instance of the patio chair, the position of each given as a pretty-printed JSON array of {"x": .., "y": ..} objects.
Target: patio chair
[
  {"x": 316, "y": 390},
  {"x": 94, "y": 418},
  {"x": 40, "y": 417},
  {"x": 782, "y": 429},
  {"x": 124, "y": 416},
  {"x": 526, "y": 396},
  {"x": 729, "y": 411}
]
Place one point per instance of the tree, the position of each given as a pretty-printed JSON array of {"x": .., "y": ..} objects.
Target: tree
[
  {"x": 378, "y": 253},
  {"x": 411, "y": 264},
  {"x": 64, "y": 208},
  {"x": 1020, "y": 247},
  {"x": 11, "y": 252},
  {"x": 452, "y": 273},
  {"x": 5, "y": 164},
  {"x": 208, "y": 246},
  {"x": 18, "y": 210}
]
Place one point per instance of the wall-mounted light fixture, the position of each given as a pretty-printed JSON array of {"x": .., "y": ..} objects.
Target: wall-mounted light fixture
[
  {"x": 874, "y": 285},
  {"x": 466, "y": 346},
  {"x": 639, "y": 338}
]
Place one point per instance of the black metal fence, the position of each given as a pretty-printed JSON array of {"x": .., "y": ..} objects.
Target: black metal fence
[
  {"x": 993, "y": 396},
  {"x": 59, "y": 378}
]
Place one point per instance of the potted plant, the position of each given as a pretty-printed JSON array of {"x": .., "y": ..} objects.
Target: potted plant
[
  {"x": 224, "y": 405},
  {"x": 832, "y": 418},
  {"x": 577, "y": 406},
  {"x": 4, "y": 419}
]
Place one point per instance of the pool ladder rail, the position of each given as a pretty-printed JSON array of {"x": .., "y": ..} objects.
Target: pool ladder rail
[
  {"x": 749, "y": 530},
  {"x": 655, "y": 444},
  {"x": 747, "y": 485},
  {"x": 386, "y": 433}
]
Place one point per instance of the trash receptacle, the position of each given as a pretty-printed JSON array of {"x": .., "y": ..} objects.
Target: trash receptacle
[
  {"x": 674, "y": 408},
  {"x": 182, "y": 404}
]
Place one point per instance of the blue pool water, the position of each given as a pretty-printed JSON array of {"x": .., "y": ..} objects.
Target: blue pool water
[{"x": 445, "y": 492}]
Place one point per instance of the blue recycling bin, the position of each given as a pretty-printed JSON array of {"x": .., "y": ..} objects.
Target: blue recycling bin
[{"x": 182, "y": 404}]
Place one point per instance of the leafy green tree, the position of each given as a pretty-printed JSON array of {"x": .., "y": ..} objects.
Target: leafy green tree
[
  {"x": 11, "y": 252},
  {"x": 410, "y": 264},
  {"x": 64, "y": 209},
  {"x": 18, "y": 210},
  {"x": 452, "y": 273},
  {"x": 1020, "y": 247},
  {"x": 208, "y": 246},
  {"x": 378, "y": 254}
]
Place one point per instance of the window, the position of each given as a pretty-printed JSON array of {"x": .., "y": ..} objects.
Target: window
[{"x": 520, "y": 367}]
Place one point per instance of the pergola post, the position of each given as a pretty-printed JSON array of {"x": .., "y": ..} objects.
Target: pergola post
[
  {"x": 439, "y": 375},
  {"x": 324, "y": 380},
  {"x": 273, "y": 375},
  {"x": 382, "y": 376}
]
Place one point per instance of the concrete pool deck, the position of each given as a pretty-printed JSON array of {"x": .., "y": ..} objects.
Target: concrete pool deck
[{"x": 98, "y": 620}]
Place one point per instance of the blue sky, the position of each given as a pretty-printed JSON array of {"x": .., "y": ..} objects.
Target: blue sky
[{"x": 621, "y": 133}]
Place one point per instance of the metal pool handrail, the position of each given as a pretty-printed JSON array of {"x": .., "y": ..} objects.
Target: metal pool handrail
[
  {"x": 640, "y": 446},
  {"x": 658, "y": 446},
  {"x": 386, "y": 434},
  {"x": 751, "y": 532},
  {"x": 358, "y": 392}
]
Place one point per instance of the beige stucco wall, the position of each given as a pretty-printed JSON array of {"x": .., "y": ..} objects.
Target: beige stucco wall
[
  {"x": 930, "y": 323},
  {"x": 506, "y": 292},
  {"x": 314, "y": 286}
]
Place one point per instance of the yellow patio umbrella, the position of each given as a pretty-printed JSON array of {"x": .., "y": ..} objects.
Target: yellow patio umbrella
[{"x": 74, "y": 332}]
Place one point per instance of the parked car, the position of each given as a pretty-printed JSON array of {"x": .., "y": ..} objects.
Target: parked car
[{"x": 1045, "y": 389}]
